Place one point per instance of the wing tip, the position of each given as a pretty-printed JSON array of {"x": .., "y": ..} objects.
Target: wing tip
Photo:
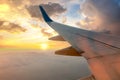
[{"x": 44, "y": 14}]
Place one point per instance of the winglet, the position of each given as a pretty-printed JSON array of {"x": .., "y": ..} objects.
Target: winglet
[{"x": 44, "y": 14}]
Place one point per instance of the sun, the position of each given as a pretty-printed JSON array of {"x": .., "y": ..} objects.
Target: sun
[
  {"x": 44, "y": 46},
  {"x": 4, "y": 8}
]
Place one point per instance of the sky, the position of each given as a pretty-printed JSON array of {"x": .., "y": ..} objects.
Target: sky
[{"x": 22, "y": 26}]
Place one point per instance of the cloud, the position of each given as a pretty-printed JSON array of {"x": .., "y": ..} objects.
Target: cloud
[
  {"x": 54, "y": 8},
  {"x": 11, "y": 27},
  {"x": 104, "y": 15},
  {"x": 45, "y": 33},
  {"x": 37, "y": 2},
  {"x": 108, "y": 9},
  {"x": 51, "y": 8},
  {"x": 1, "y": 37}
]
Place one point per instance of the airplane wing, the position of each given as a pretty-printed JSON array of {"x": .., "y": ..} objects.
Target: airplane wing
[{"x": 102, "y": 51}]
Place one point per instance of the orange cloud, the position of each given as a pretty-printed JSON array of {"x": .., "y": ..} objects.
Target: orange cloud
[{"x": 11, "y": 27}]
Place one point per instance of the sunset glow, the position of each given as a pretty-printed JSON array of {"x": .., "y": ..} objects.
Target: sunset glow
[
  {"x": 19, "y": 28},
  {"x": 44, "y": 46},
  {"x": 4, "y": 8}
]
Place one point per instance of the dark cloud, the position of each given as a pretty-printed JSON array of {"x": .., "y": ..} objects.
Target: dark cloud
[
  {"x": 11, "y": 27},
  {"x": 51, "y": 8},
  {"x": 79, "y": 24},
  {"x": 34, "y": 11},
  {"x": 1, "y": 23},
  {"x": 104, "y": 13},
  {"x": 37, "y": 2},
  {"x": 54, "y": 8}
]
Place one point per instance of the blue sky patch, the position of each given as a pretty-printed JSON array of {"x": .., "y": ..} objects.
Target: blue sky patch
[{"x": 73, "y": 11}]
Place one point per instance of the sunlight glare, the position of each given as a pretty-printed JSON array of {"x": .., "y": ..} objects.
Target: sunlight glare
[
  {"x": 44, "y": 46},
  {"x": 4, "y": 8}
]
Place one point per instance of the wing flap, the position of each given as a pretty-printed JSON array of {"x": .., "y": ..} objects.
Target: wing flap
[{"x": 70, "y": 51}]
